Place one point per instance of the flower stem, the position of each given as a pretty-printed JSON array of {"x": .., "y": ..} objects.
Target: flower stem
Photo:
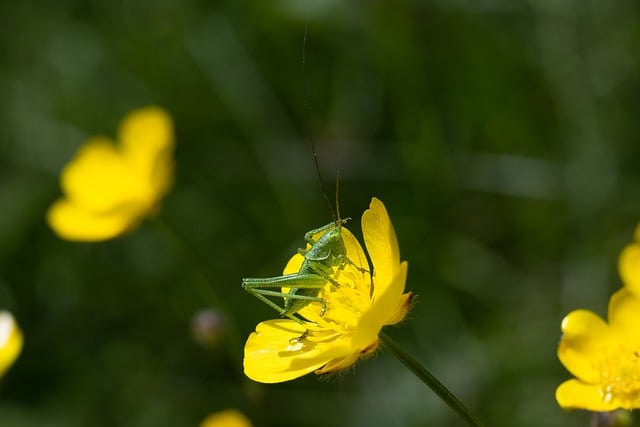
[{"x": 432, "y": 382}]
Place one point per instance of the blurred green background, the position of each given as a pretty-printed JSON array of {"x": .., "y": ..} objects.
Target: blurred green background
[{"x": 501, "y": 135}]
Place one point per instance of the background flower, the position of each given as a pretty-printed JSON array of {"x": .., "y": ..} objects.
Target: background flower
[
  {"x": 629, "y": 264},
  {"x": 110, "y": 187},
  {"x": 10, "y": 341},
  {"x": 226, "y": 418},
  {"x": 605, "y": 358}
]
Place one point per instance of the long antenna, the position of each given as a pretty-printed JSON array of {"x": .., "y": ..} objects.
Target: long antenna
[
  {"x": 337, "y": 193},
  {"x": 309, "y": 133}
]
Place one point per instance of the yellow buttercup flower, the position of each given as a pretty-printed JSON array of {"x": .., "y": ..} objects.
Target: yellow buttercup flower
[
  {"x": 226, "y": 418},
  {"x": 283, "y": 349},
  {"x": 10, "y": 341},
  {"x": 110, "y": 187},
  {"x": 605, "y": 358},
  {"x": 629, "y": 264}
]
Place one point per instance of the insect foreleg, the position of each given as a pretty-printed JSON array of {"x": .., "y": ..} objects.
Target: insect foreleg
[{"x": 343, "y": 261}]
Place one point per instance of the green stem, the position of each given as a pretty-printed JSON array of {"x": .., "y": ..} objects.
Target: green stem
[{"x": 432, "y": 382}]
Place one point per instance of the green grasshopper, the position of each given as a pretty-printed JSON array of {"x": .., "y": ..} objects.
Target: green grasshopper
[{"x": 325, "y": 253}]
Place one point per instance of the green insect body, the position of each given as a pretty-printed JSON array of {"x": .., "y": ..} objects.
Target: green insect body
[{"x": 324, "y": 254}]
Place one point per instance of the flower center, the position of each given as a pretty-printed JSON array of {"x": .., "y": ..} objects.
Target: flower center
[
  {"x": 620, "y": 376},
  {"x": 346, "y": 303}
]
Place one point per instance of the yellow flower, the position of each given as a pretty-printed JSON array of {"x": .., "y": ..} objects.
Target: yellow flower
[
  {"x": 629, "y": 264},
  {"x": 10, "y": 341},
  {"x": 226, "y": 418},
  {"x": 355, "y": 312},
  {"x": 605, "y": 358},
  {"x": 109, "y": 188}
]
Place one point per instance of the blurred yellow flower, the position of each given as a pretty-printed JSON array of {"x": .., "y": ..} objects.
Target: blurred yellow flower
[
  {"x": 10, "y": 341},
  {"x": 605, "y": 358},
  {"x": 109, "y": 188},
  {"x": 226, "y": 418},
  {"x": 283, "y": 349},
  {"x": 629, "y": 264}
]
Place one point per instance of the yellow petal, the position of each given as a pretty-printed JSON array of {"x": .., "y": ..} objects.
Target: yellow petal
[
  {"x": 146, "y": 137},
  {"x": 73, "y": 223},
  {"x": 401, "y": 310},
  {"x": 226, "y": 418},
  {"x": 574, "y": 394},
  {"x": 355, "y": 253},
  {"x": 145, "y": 132},
  {"x": 273, "y": 353},
  {"x": 624, "y": 315},
  {"x": 10, "y": 341},
  {"x": 382, "y": 244},
  {"x": 98, "y": 179},
  {"x": 629, "y": 267},
  {"x": 339, "y": 364},
  {"x": 393, "y": 305},
  {"x": 585, "y": 335},
  {"x": 383, "y": 311}
]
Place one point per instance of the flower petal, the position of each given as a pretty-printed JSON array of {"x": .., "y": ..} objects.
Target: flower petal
[
  {"x": 98, "y": 179},
  {"x": 274, "y": 352},
  {"x": 389, "y": 305},
  {"x": 382, "y": 244},
  {"x": 355, "y": 253},
  {"x": 146, "y": 137},
  {"x": 145, "y": 132},
  {"x": 73, "y": 223},
  {"x": 624, "y": 315},
  {"x": 574, "y": 394},
  {"x": 393, "y": 304},
  {"x": 10, "y": 341},
  {"x": 629, "y": 267},
  {"x": 585, "y": 335},
  {"x": 384, "y": 310},
  {"x": 339, "y": 364},
  {"x": 400, "y": 312}
]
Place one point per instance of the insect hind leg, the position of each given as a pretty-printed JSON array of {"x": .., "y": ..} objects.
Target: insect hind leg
[
  {"x": 297, "y": 280},
  {"x": 260, "y": 294}
]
